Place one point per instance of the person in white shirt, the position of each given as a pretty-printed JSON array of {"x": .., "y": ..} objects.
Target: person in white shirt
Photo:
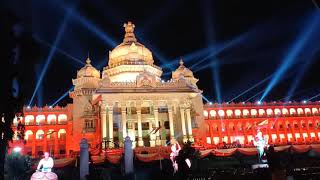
[{"x": 46, "y": 163}]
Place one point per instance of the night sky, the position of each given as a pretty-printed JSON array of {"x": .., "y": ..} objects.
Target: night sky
[{"x": 247, "y": 42}]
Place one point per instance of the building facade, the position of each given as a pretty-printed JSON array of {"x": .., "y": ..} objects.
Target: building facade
[{"x": 129, "y": 98}]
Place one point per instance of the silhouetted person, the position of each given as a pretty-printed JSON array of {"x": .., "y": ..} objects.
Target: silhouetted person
[{"x": 278, "y": 173}]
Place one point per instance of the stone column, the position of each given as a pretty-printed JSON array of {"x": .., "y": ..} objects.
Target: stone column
[
  {"x": 103, "y": 115},
  {"x": 45, "y": 143},
  {"x": 34, "y": 145},
  {"x": 140, "y": 141},
  {"x": 211, "y": 133},
  {"x": 183, "y": 124},
  {"x": 124, "y": 121},
  {"x": 171, "y": 123},
  {"x": 110, "y": 120},
  {"x": 156, "y": 121},
  {"x": 84, "y": 159},
  {"x": 189, "y": 125},
  {"x": 128, "y": 156},
  {"x": 56, "y": 145},
  {"x": 151, "y": 135}
]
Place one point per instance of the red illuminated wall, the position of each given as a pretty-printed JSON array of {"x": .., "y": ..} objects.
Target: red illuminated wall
[{"x": 284, "y": 123}]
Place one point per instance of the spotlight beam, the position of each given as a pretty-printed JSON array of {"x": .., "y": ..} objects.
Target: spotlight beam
[
  {"x": 63, "y": 96},
  {"x": 254, "y": 96},
  {"x": 291, "y": 57},
  {"x": 60, "y": 51},
  {"x": 51, "y": 54},
  {"x": 299, "y": 76},
  {"x": 90, "y": 26},
  {"x": 313, "y": 97},
  {"x": 252, "y": 87}
]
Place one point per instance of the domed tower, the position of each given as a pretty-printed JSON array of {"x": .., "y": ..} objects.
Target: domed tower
[
  {"x": 184, "y": 72},
  {"x": 85, "y": 85},
  {"x": 129, "y": 59}
]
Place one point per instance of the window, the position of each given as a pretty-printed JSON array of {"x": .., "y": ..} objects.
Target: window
[
  {"x": 145, "y": 126},
  {"x": 89, "y": 124},
  {"x": 166, "y": 125}
]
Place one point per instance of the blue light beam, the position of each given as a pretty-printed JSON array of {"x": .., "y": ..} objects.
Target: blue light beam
[
  {"x": 63, "y": 96},
  {"x": 51, "y": 54},
  {"x": 252, "y": 87},
  {"x": 60, "y": 51},
  {"x": 292, "y": 55}
]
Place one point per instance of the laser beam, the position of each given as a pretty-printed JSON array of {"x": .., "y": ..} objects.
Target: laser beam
[
  {"x": 60, "y": 51},
  {"x": 63, "y": 96},
  {"x": 293, "y": 53},
  {"x": 51, "y": 54}
]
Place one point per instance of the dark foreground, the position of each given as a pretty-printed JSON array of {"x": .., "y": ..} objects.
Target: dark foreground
[{"x": 301, "y": 166}]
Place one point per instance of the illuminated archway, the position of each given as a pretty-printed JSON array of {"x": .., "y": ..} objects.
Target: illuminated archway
[
  {"x": 28, "y": 135},
  {"x": 51, "y": 119},
  {"x": 28, "y": 119},
  {"x": 39, "y": 134},
  {"x": 62, "y": 118}
]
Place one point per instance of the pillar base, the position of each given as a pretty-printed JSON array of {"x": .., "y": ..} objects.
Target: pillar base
[
  {"x": 185, "y": 139},
  {"x": 191, "y": 138},
  {"x": 140, "y": 142},
  {"x": 152, "y": 143},
  {"x": 134, "y": 144},
  {"x": 158, "y": 141}
]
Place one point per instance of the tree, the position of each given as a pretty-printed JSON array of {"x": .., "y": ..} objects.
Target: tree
[
  {"x": 17, "y": 52},
  {"x": 17, "y": 166}
]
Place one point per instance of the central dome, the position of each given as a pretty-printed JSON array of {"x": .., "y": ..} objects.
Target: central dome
[{"x": 130, "y": 51}]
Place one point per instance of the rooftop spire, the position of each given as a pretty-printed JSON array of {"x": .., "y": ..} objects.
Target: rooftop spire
[
  {"x": 129, "y": 29},
  {"x": 88, "y": 61},
  {"x": 181, "y": 61}
]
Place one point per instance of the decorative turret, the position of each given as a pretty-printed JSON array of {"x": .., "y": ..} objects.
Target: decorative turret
[
  {"x": 184, "y": 72},
  {"x": 88, "y": 70},
  {"x": 87, "y": 76}
]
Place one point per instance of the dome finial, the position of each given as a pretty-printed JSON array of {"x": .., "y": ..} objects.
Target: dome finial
[
  {"x": 181, "y": 61},
  {"x": 129, "y": 29},
  {"x": 88, "y": 61}
]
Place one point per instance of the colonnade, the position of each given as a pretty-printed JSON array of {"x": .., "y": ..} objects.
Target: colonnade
[{"x": 107, "y": 120}]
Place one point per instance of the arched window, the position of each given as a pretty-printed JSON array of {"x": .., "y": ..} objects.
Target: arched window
[
  {"x": 285, "y": 111},
  {"x": 213, "y": 113},
  {"x": 300, "y": 111},
  {"x": 237, "y": 112},
  {"x": 50, "y": 134},
  {"x": 28, "y": 119},
  {"x": 277, "y": 112},
  {"x": 292, "y": 111},
  {"x": 40, "y": 119},
  {"x": 221, "y": 113},
  {"x": 28, "y": 135},
  {"x": 253, "y": 112},
  {"x": 205, "y": 113},
  {"x": 62, "y": 134},
  {"x": 315, "y": 111},
  {"x": 261, "y": 112},
  {"x": 307, "y": 111},
  {"x": 245, "y": 112},
  {"x": 39, "y": 134},
  {"x": 269, "y": 112},
  {"x": 229, "y": 113},
  {"x": 62, "y": 119},
  {"x": 51, "y": 119}
]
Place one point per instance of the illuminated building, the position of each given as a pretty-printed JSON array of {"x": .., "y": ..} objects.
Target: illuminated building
[{"x": 129, "y": 98}]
